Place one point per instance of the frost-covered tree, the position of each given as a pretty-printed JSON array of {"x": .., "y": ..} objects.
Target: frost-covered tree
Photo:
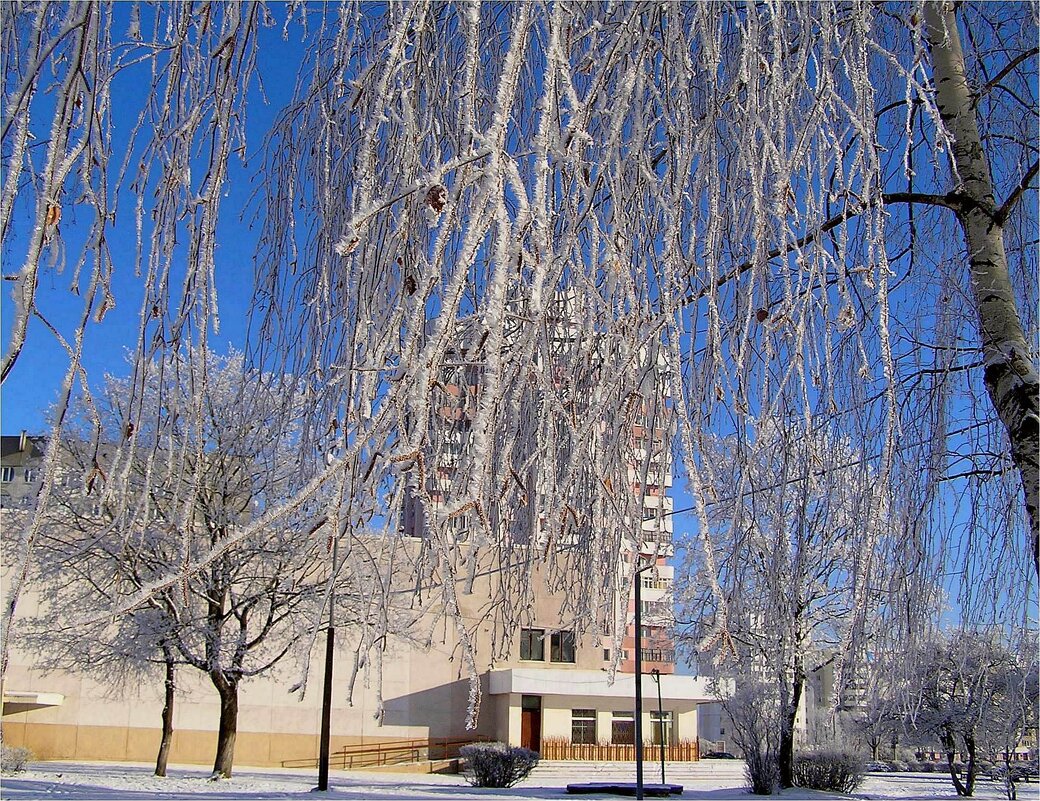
[
  {"x": 878, "y": 719},
  {"x": 756, "y": 720},
  {"x": 792, "y": 518},
  {"x": 969, "y": 688},
  {"x": 785, "y": 199},
  {"x": 133, "y": 648},
  {"x": 1014, "y": 712},
  {"x": 189, "y": 453}
]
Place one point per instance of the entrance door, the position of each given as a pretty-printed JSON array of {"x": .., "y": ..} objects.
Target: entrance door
[{"x": 531, "y": 722}]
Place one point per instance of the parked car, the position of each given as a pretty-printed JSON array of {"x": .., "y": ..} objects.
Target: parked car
[{"x": 718, "y": 755}]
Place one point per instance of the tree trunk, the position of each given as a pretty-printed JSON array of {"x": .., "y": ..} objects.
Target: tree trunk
[
  {"x": 1010, "y": 375},
  {"x": 969, "y": 780},
  {"x": 1009, "y": 780},
  {"x": 167, "y": 717},
  {"x": 228, "y": 691},
  {"x": 950, "y": 746},
  {"x": 785, "y": 751}
]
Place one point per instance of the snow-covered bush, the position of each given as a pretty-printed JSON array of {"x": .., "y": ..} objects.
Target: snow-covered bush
[
  {"x": 837, "y": 771},
  {"x": 497, "y": 764},
  {"x": 13, "y": 760}
]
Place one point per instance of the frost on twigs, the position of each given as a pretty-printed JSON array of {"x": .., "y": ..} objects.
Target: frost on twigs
[{"x": 487, "y": 229}]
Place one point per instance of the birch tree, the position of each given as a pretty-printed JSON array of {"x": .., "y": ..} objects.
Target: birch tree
[{"x": 765, "y": 195}]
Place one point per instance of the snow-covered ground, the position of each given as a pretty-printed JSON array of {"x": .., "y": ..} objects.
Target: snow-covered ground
[{"x": 111, "y": 782}]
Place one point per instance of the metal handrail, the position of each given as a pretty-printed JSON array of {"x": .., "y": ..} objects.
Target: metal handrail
[{"x": 389, "y": 752}]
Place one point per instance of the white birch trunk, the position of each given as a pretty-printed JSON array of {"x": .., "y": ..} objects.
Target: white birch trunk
[{"x": 1010, "y": 375}]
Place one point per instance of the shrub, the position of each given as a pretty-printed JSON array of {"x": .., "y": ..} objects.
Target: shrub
[
  {"x": 896, "y": 766},
  {"x": 13, "y": 760},
  {"x": 926, "y": 767},
  {"x": 762, "y": 772},
  {"x": 497, "y": 764},
  {"x": 833, "y": 771}
]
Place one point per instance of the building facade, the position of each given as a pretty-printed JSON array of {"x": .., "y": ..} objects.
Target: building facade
[{"x": 550, "y": 688}]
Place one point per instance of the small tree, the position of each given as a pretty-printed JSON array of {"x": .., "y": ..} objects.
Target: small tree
[
  {"x": 790, "y": 516},
  {"x": 754, "y": 710},
  {"x": 1013, "y": 712},
  {"x": 970, "y": 687},
  {"x": 878, "y": 721},
  {"x": 201, "y": 447}
]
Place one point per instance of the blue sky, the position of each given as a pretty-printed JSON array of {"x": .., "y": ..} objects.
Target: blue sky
[
  {"x": 33, "y": 385},
  {"x": 35, "y": 381}
]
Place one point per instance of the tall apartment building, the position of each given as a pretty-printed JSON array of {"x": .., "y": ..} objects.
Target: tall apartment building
[{"x": 555, "y": 687}]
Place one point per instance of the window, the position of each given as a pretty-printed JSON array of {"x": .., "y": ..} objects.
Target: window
[
  {"x": 8, "y": 475},
  {"x": 30, "y": 475},
  {"x": 583, "y": 726},
  {"x": 656, "y": 719},
  {"x": 532, "y": 644},
  {"x": 623, "y": 728},
  {"x": 659, "y": 609},
  {"x": 562, "y": 647}
]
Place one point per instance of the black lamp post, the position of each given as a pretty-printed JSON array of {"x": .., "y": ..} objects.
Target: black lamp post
[
  {"x": 639, "y": 680},
  {"x": 660, "y": 717},
  {"x": 326, "y": 699}
]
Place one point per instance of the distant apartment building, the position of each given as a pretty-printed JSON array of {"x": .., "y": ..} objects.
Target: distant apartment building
[
  {"x": 558, "y": 691},
  {"x": 20, "y": 470}
]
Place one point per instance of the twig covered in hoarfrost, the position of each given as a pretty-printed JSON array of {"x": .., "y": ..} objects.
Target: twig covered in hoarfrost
[{"x": 492, "y": 237}]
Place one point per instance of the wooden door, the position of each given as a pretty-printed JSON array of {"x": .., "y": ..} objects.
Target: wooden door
[{"x": 531, "y": 722}]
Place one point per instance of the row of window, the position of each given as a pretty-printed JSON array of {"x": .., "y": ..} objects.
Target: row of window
[
  {"x": 622, "y": 727},
  {"x": 561, "y": 645}
]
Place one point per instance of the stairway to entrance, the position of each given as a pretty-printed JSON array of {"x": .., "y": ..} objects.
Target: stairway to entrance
[{"x": 728, "y": 773}]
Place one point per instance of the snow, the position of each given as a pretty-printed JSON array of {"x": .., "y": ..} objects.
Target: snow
[{"x": 123, "y": 782}]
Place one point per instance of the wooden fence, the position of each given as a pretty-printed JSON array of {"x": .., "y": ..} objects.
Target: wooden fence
[{"x": 559, "y": 748}]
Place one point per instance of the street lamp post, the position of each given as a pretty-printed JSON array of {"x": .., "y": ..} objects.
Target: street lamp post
[
  {"x": 660, "y": 717},
  {"x": 639, "y": 680},
  {"x": 326, "y": 699}
]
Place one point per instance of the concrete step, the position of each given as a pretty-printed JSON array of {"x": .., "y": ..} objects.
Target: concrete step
[{"x": 580, "y": 771}]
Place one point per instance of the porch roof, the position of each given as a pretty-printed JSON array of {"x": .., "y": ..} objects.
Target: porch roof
[
  {"x": 557, "y": 681},
  {"x": 17, "y": 701}
]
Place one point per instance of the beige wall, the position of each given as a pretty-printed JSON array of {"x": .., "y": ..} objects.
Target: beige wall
[{"x": 423, "y": 692}]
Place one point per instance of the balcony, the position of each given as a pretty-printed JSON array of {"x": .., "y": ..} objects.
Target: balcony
[{"x": 658, "y": 655}]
